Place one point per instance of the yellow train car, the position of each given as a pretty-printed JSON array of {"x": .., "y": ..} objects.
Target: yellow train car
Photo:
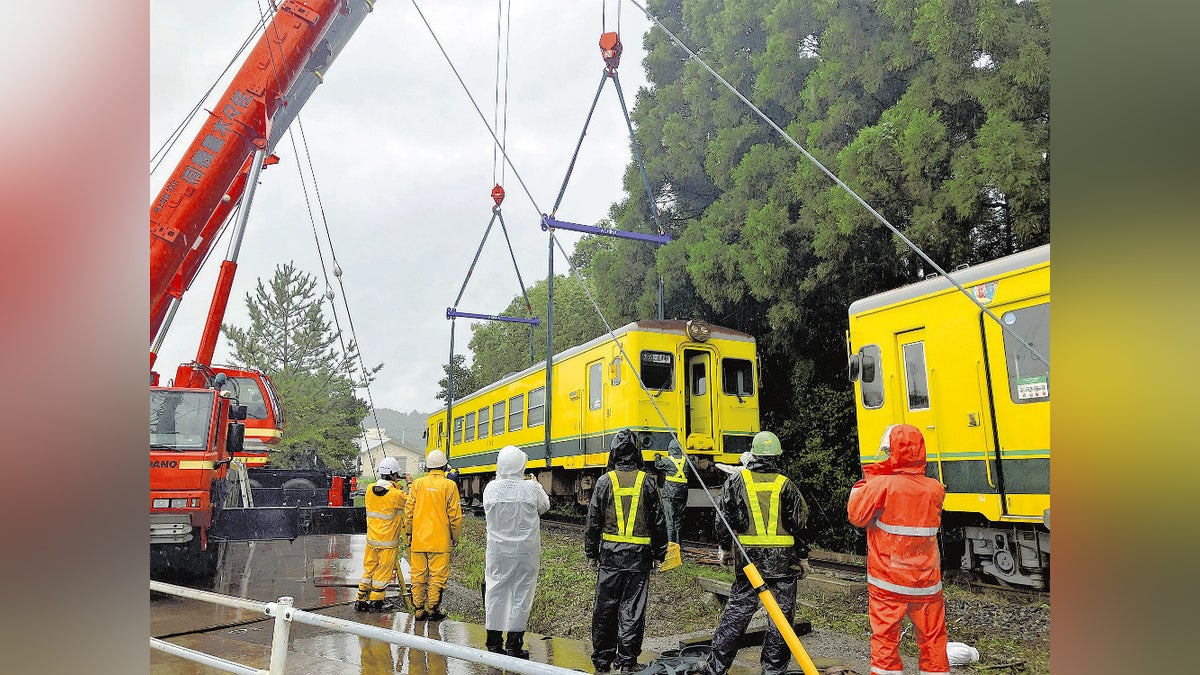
[
  {"x": 702, "y": 377},
  {"x": 925, "y": 355}
]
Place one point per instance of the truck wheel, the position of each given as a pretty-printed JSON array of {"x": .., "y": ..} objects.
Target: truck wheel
[{"x": 301, "y": 492}]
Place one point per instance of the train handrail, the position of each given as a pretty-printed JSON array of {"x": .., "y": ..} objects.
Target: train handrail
[{"x": 284, "y": 614}]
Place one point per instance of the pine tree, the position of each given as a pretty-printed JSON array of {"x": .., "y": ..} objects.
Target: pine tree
[{"x": 291, "y": 341}]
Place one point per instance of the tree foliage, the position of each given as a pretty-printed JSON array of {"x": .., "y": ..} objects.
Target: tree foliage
[
  {"x": 291, "y": 341},
  {"x": 936, "y": 112}
]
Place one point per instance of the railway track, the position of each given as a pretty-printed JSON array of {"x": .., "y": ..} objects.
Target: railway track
[{"x": 843, "y": 566}]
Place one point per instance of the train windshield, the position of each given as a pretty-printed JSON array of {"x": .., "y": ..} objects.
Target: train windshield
[{"x": 180, "y": 420}]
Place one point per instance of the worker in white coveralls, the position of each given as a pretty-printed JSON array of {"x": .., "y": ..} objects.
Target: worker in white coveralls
[{"x": 512, "y": 507}]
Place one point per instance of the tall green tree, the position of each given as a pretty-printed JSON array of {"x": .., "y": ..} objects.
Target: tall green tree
[
  {"x": 464, "y": 379},
  {"x": 291, "y": 341}
]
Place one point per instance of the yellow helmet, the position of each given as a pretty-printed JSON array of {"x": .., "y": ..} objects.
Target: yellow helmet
[{"x": 765, "y": 444}]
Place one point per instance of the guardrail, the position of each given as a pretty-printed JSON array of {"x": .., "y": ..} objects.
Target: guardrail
[{"x": 284, "y": 614}]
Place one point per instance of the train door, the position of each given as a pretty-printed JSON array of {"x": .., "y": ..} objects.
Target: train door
[
  {"x": 592, "y": 413},
  {"x": 700, "y": 426},
  {"x": 1020, "y": 392},
  {"x": 918, "y": 405}
]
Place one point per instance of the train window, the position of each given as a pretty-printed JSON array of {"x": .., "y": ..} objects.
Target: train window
[
  {"x": 470, "y": 427},
  {"x": 870, "y": 378},
  {"x": 537, "y": 406},
  {"x": 516, "y": 412},
  {"x": 915, "y": 376},
  {"x": 699, "y": 379},
  {"x": 614, "y": 371},
  {"x": 658, "y": 370},
  {"x": 595, "y": 397},
  {"x": 441, "y": 432},
  {"x": 737, "y": 377},
  {"x": 498, "y": 418},
  {"x": 458, "y": 426},
  {"x": 483, "y": 422},
  {"x": 1028, "y": 377}
]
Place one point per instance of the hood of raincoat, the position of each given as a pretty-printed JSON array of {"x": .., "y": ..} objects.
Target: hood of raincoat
[
  {"x": 510, "y": 462},
  {"x": 906, "y": 448},
  {"x": 624, "y": 452},
  {"x": 675, "y": 449}
]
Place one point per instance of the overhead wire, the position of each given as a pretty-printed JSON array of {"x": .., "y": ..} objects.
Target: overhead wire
[{"x": 878, "y": 216}]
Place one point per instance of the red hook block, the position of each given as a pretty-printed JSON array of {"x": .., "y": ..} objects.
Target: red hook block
[
  {"x": 610, "y": 49},
  {"x": 497, "y": 194}
]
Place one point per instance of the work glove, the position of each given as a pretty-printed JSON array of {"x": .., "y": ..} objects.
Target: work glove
[
  {"x": 805, "y": 567},
  {"x": 594, "y": 564}
]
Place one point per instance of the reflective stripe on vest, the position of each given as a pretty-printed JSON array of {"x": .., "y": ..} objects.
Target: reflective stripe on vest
[
  {"x": 905, "y": 530},
  {"x": 625, "y": 525},
  {"x": 678, "y": 476},
  {"x": 903, "y": 590},
  {"x": 761, "y": 535},
  {"x": 381, "y": 516}
]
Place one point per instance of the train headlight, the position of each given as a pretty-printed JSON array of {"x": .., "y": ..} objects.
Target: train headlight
[
  {"x": 160, "y": 503},
  {"x": 698, "y": 330},
  {"x": 179, "y": 503}
]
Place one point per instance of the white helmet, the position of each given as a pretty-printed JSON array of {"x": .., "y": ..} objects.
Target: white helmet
[
  {"x": 435, "y": 460},
  {"x": 389, "y": 467}
]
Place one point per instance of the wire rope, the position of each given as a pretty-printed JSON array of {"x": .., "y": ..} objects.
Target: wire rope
[
  {"x": 878, "y": 216},
  {"x": 554, "y": 240},
  {"x": 341, "y": 286}
]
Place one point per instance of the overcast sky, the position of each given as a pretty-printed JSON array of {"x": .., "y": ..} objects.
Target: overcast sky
[{"x": 404, "y": 165}]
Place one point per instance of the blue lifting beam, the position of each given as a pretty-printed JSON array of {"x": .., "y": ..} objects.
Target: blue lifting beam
[
  {"x": 452, "y": 313},
  {"x": 549, "y": 222}
]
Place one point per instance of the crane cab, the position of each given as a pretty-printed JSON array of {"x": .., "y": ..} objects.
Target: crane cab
[{"x": 253, "y": 389}]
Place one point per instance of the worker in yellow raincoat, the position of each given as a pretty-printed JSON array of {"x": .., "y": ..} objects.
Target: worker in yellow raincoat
[
  {"x": 385, "y": 519},
  {"x": 433, "y": 520}
]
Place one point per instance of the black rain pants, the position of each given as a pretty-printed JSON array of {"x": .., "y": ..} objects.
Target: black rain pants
[
  {"x": 743, "y": 602},
  {"x": 619, "y": 618}
]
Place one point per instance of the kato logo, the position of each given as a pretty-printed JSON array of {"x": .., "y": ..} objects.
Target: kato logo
[{"x": 164, "y": 464}]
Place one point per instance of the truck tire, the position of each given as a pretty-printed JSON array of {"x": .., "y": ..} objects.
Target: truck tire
[{"x": 302, "y": 492}]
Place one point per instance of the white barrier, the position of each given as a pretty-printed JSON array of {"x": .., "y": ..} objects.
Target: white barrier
[{"x": 284, "y": 614}]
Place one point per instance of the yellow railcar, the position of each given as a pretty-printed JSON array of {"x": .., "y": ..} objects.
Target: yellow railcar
[
  {"x": 702, "y": 377},
  {"x": 925, "y": 355}
]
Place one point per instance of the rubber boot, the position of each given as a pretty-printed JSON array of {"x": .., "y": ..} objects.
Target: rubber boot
[
  {"x": 361, "y": 606},
  {"x": 435, "y": 613},
  {"x": 383, "y": 606},
  {"x": 495, "y": 641},
  {"x": 514, "y": 645}
]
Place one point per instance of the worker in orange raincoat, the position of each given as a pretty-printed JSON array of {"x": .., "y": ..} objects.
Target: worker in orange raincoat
[
  {"x": 901, "y": 508},
  {"x": 385, "y": 502},
  {"x": 433, "y": 520}
]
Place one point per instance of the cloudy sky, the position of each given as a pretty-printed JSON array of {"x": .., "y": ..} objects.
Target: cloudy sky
[{"x": 404, "y": 165}]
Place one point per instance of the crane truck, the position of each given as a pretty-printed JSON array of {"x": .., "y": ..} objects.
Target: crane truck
[{"x": 213, "y": 421}]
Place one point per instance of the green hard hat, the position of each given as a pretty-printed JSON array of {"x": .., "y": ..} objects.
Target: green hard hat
[{"x": 765, "y": 444}]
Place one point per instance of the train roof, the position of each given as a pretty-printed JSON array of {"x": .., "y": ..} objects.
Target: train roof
[
  {"x": 663, "y": 326},
  {"x": 964, "y": 276}
]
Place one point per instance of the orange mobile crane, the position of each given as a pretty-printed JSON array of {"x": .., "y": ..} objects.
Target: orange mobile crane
[{"x": 212, "y": 415}]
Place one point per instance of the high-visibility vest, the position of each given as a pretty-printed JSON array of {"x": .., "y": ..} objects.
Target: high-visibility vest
[
  {"x": 678, "y": 476},
  {"x": 625, "y": 522},
  {"x": 765, "y": 529}
]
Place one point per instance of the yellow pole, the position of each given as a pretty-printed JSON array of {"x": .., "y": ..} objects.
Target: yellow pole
[{"x": 781, "y": 622}]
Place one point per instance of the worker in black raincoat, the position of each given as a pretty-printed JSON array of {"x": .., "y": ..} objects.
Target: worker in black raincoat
[
  {"x": 674, "y": 490},
  {"x": 770, "y": 516},
  {"x": 624, "y": 539}
]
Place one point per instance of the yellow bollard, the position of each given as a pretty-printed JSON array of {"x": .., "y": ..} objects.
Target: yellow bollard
[{"x": 781, "y": 622}]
